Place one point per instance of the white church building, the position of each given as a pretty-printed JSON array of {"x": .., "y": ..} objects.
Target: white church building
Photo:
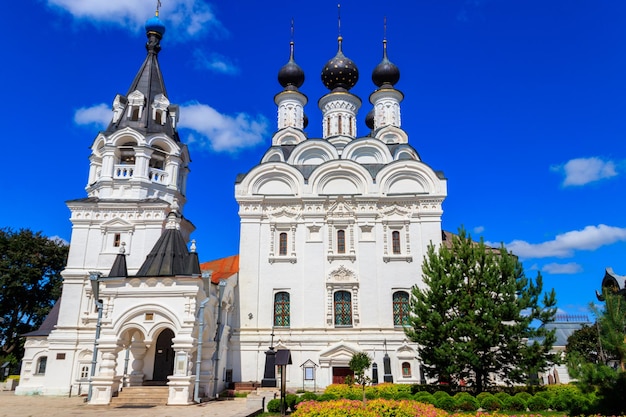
[{"x": 333, "y": 233}]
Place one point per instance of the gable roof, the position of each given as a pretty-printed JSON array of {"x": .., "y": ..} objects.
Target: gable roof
[
  {"x": 222, "y": 268},
  {"x": 49, "y": 322}
]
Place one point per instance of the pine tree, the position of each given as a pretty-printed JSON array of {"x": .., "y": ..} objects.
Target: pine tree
[{"x": 476, "y": 315}]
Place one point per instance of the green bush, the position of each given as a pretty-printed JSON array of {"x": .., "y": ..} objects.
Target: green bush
[
  {"x": 503, "y": 397},
  {"x": 440, "y": 394},
  {"x": 490, "y": 403},
  {"x": 424, "y": 397},
  {"x": 403, "y": 396},
  {"x": 564, "y": 397},
  {"x": 445, "y": 402},
  {"x": 327, "y": 396},
  {"x": 538, "y": 403},
  {"x": 515, "y": 403},
  {"x": 291, "y": 399},
  {"x": 482, "y": 395},
  {"x": 308, "y": 396},
  {"x": 273, "y": 406},
  {"x": 466, "y": 402},
  {"x": 524, "y": 396},
  {"x": 371, "y": 394}
]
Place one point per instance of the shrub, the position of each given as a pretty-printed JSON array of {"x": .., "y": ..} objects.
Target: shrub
[
  {"x": 307, "y": 396},
  {"x": 482, "y": 395},
  {"x": 424, "y": 397},
  {"x": 273, "y": 406},
  {"x": 291, "y": 399},
  {"x": 503, "y": 397},
  {"x": 375, "y": 408},
  {"x": 466, "y": 402},
  {"x": 403, "y": 396},
  {"x": 563, "y": 397},
  {"x": 524, "y": 396},
  {"x": 490, "y": 403},
  {"x": 340, "y": 390},
  {"x": 327, "y": 396},
  {"x": 440, "y": 394},
  {"x": 445, "y": 402},
  {"x": 515, "y": 403},
  {"x": 371, "y": 393},
  {"x": 538, "y": 403}
]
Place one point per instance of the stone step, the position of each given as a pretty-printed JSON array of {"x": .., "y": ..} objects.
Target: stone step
[{"x": 141, "y": 396}]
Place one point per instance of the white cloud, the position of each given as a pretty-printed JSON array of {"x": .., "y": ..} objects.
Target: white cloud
[
  {"x": 188, "y": 17},
  {"x": 568, "y": 268},
  {"x": 564, "y": 245},
  {"x": 215, "y": 62},
  {"x": 221, "y": 132},
  {"x": 582, "y": 171},
  {"x": 210, "y": 129},
  {"x": 478, "y": 230},
  {"x": 59, "y": 239},
  {"x": 99, "y": 115}
]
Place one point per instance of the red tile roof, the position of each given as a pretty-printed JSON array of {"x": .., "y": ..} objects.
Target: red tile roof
[{"x": 222, "y": 268}]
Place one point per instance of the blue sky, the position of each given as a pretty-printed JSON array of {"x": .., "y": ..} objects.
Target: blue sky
[{"x": 521, "y": 103}]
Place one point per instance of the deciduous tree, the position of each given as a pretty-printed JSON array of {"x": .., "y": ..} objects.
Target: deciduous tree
[
  {"x": 477, "y": 315},
  {"x": 360, "y": 363},
  {"x": 30, "y": 283}
]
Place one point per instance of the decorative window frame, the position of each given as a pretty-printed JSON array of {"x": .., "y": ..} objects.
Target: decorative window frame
[
  {"x": 408, "y": 293},
  {"x": 160, "y": 106},
  {"x": 406, "y": 353},
  {"x": 42, "y": 362},
  {"x": 275, "y": 230},
  {"x": 110, "y": 230},
  {"x": 350, "y": 252},
  {"x": 276, "y": 292},
  {"x": 342, "y": 279},
  {"x": 403, "y": 227},
  {"x": 136, "y": 101}
]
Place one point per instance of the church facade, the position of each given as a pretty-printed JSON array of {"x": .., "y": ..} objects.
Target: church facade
[
  {"x": 332, "y": 236},
  {"x": 333, "y": 233}
]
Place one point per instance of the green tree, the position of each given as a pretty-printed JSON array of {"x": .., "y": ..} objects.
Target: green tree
[
  {"x": 475, "y": 314},
  {"x": 30, "y": 283},
  {"x": 612, "y": 321},
  {"x": 606, "y": 376},
  {"x": 585, "y": 344},
  {"x": 360, "y": 363}
]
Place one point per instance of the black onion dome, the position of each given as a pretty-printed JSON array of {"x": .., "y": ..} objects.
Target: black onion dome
[
  {"x": 291, "y": 74},
  {"x": 386, "y": 72},
  {"x": 305, "y": 122},
  {"x": 369, "y": 119},
  {"x": 340, "y": 71}
]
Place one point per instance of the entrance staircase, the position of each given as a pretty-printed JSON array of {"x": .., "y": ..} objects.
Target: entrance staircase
[{"x": 140, "y": 397}]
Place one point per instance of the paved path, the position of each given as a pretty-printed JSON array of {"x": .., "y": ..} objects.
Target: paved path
[{"x": 34, "y": 406}]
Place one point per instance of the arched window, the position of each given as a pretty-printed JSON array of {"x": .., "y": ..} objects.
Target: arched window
[
  {"x": 281, "y": 309},
  {"x": 341, "y": 241},
  {"x": 41, "y": 365},
  {"x": 343, "y": 308},
  {"x": 282, "y": 244},
  {"x": 395, "y": 242},
  {"x": 400, "y": 308},
  {"x": 84, "y": 372},
  {"x": 406, "y": 370},
  {"x": 339, "y": 125}
]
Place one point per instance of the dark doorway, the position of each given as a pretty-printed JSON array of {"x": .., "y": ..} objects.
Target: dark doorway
[
  {"x": 164, "y": 356},
  {"x": 340, "y": 373}
]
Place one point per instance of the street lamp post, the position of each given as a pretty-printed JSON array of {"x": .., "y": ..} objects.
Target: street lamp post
[{"x": 94, "y": 279}]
